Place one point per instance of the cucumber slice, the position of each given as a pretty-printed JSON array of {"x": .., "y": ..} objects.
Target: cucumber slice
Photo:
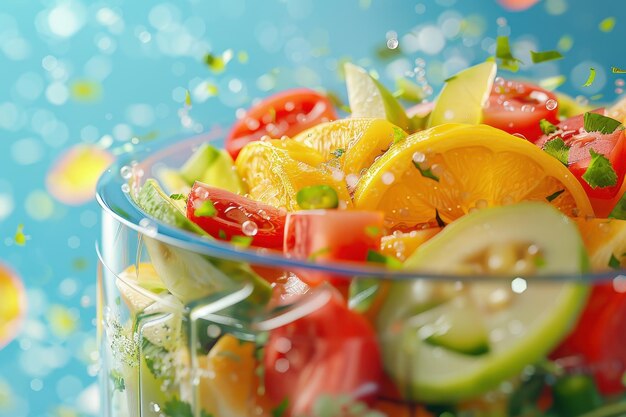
[
  {"x": 221, "y": 173},
  {"x": 198, "y": 163},
  {"x": 487, "y": 331}
]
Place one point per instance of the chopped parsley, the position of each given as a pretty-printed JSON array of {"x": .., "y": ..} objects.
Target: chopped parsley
[
  {"x": 372, "y": 231},
  {"x": 595, "y": 122},
  {"x": 544, "y": 56},
  {"x": 337, "y": 153},
  {"x": 426, "y": 172},
  {"x": 222, "y": 234},
  {"x": 217, "y": 63},
  {"x": 616, "y": 70},
  {"x": 546, "y": 127},
  {"x": 591, "y": 78},
  {"x": 207, "y": 209},
  {"x": 558, "y": 149},
  {"x": 187, "y": 99},
  {"x": 439, "y": 220},
  {"x": 379, "y": 258},
  {"x": 554, "y": 195},
  {"x": 281, "y": 409},
  {"x": 315, "y": 254},
  {"x": 179, "y": 408},
  {"x": 503, "y": 53},
  {"x": 599, "y": 173},
  {"x": 118, "y": 381},
  {"x": 20, "y": 238},
  {"x": 243, "y": 241},
  {"x": 178, "y": 196},
  {"x": 614, "y": 262}
]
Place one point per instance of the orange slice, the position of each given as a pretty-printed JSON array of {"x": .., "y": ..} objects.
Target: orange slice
[{"x": 454, "y": 169}]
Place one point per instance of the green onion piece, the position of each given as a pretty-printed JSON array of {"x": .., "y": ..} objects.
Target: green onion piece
[
  {"x": 316, "y": 254},
  {"x": 317, "y": 197},
  {"x": 428, "y": 173},
  {"x": 554, "y": 195},
  {"x": 600, "y": 172},
  {"x": 616, "y": 70},
  {"x": 207, "y": 209},
  {"x": 592, "y": 76},
  {"x": 545, "y": 56},
  {"x": 379, "y": 258},
  {"x": 243, "y": 241},
  {"x": 546, "y": 127},
  {"x": 595, "y": 122},
  {"x": 558, "y": 149}
]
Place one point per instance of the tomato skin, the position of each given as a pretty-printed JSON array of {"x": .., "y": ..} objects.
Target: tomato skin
[
  {"x": 331, "y": 235},
  {"x": 510, "y": 104},
  {"x": 232, "y": 211},
  {"x": 599, "y": 338},
  {"x": 332, "y": 350},
  {"x": 611, "y": 145},
  {"x": 284, "y": 120}
]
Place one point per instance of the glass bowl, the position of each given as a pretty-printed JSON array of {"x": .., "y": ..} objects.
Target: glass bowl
[{"x": 195, "y": 327}]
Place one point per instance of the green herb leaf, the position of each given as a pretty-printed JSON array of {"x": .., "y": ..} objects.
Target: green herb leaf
[
  {"x": 546, "y": 127},
  {"x": 544, "y": 56},
  {"x": 222, "y": 234},
  {"x": 592, "y": 76},
  {"x": 118, "y": 381},
  {"x": 379, "y": 258},
  {"x": 554, "y": 195},
  {"x": 539, "y": 261},
  {"x": 281, "y": 409},
  {"x": 243, "y": 241},
  {"x": 322, "y": 251},
  {"x": 619, "y": 211},
  {"x": 317, "y": 197},
  {"x": 178, "y": 196},
  {"x": 337, "y": 153},
  {"x": 207, "y": 209},
  {"x": 372, "y": 231},
  {"x": 503, "y": 53},
  {"x": 614, "y": 262},
  {"x": 428, "y": 173},
  {"x": 595, "y": 122},
  {"x": 616, "y": 70},
  {"x": 398, "y": 135},
  {"x": 20, "y": 238},
  {"x": 599, "y": 173},
  {"x": 439, "y": 220},
  {"x": 557, "y": 148},
  {"x": 179, "y": 408}
]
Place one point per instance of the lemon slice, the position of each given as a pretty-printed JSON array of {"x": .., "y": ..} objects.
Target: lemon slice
[
  {"x": 453, "y": 169},
  {"x": 355, "y": 143},
  {"x": 463, "y": 96},
  {"x": 275, "y": 170}
]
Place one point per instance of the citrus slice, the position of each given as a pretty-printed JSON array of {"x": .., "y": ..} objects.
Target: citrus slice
[
  {"x": 402, "y": 245},
  {"x": 605, "y": 240},
  {"x": 463, "y": 96},
  {"x": 453, "y": 169},
  {"x": 369, "y": 98},
  {"x": 446, "y": 342},
  {"x": 131, "y": 283},
  {"x": 355, "y": 143},
  {"x": 275, "y": 170}
]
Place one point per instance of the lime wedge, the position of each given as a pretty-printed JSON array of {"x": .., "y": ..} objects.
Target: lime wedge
[
  {"x": 463, "y": 96},
  {"x": 369, "y": 98}
]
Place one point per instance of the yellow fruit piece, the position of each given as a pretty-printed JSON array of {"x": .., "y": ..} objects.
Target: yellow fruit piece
[
  {"x": 604, "y": 238},
  {"x": 227, "y": 378},
  {"x": 12, "y": 305},
  {"x": 139, "y": 286},
  {"x": 474, "y": 166},
  {"x": 402, "y": 245},
  {"x": 355, "y": 143},
  {"x": 275, "y": 170}
]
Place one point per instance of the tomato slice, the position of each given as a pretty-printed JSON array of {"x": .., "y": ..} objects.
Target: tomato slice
[
  {"x": 232, "y": 212},
  {"x": 599, "y": 338},
  {"x": 331, "y": 351},
  {"x": 331, "y": 235},
  {"x": 284, "y": 114},
  {"x": 610, "y": 145},
  {"x": 517, "y": 107}
]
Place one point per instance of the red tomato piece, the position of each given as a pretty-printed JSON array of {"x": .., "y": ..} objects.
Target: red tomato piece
[
  {"x": 232, "y": 211},
  {"x": 332, "y": 351},
  {"x": 284, "y": 114},
  {"x": 331, "y": 235},
  {"x": 517, "y": 107},
  {"x": 599, "y": 338},
  {"x": 580, "y": 142}
]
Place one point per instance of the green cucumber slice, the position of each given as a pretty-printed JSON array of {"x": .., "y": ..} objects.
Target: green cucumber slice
[
  {"x": 199, "y": 161},
  {"x": 221, "y": 173},
  {"x": 522, "y": 320}
]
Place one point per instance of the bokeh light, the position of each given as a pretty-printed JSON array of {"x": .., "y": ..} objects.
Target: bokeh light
[{"x": 12, "y": 306}]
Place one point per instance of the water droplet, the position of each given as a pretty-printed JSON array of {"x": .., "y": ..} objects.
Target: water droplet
[
  {"x": 619, "y": 82},
  {"x": 519, "y": 135},
  {"x": 201, "y": 193},
  {"x": 619, "y": 90},
  {"x": 392, "y": 43},
  {"x": 126, "y": 188},
  {"x": 249, "y": 228},
  {"x": 150, "y": 229},
  {"x": 213, "y": 331},
  {"x": 499, "y": 81},
  {"x": 582, "y": 100},
  {"x": 338, "y": 174},
  {"x": 419, "y": 157},
  {"x": 551, "y": 104},
  {"x": 529, "y": 108},
  {"x": 388, "y": 178},
  {"x": 501, "y": 21},
  {"x": 519, "y": 285},
  {"x": 126, "y": 172},
  {"x": 420, "y": 62},
  {"x": 282, "y": 365},
  {"x": 155, "y": 407}
]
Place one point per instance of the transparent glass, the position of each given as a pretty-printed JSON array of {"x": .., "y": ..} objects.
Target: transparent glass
[{"x": 195, "y": 327}]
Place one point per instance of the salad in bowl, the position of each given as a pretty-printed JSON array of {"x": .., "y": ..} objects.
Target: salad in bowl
[{"x": 456, "y": 258}]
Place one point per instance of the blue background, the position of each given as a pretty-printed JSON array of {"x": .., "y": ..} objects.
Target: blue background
[{"x": 135, "y": 60}]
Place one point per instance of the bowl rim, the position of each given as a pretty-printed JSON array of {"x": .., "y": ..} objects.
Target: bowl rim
[{"x": 119, "y": 204}]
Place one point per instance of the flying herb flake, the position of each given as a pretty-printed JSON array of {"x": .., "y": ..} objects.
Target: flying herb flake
[
  {"x": 187, "y": 99},
  {"x": 599, "y": 173},
  {"x": 607, "y": 25},
  {"x": 538, "y": 57},
  {"x": 595, "y": 122},
  {"x": 80, "y": 264},
  {"x": 503, "y": 53},
  {"x": 379, "y": 258},
  {"x": 565, "y": 43},
  {"x": 316, "y": 254},
  {"x": 616, "y": 70},
  {"x": 384, "y": 53},
  {"x": 178, "y": 196},
  {"x": 207, "y": 209},
  {"x": 596, "y": 97},
  {"x": 546, "y": 127},
  {"x": 439, "y": 220},
  {"x": 428, "y": 173},
  {"x": 614, "y": 262},
  {"x": 592, "y": 76},
  {"x": 242, "y": 241},
  {"x": 558, "y": 149},
  {"x": 217, "y": 63},
  {"x": 20, "y": 238},
  {"x": 539, "y": 261},
  {"x": 554, "y": 195}
]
